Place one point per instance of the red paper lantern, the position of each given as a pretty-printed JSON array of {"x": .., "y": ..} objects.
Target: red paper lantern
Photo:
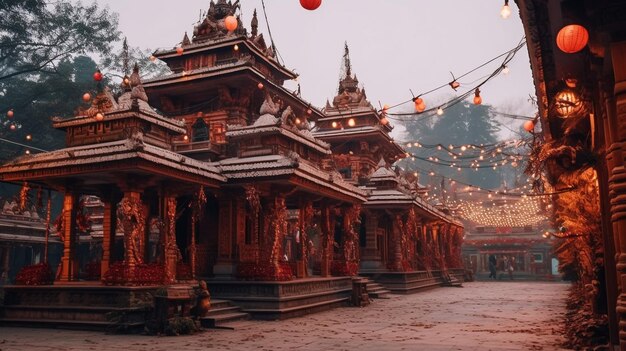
[
  {"x": 99, "y": 116},
  {"x": 10, "y": 113},
  {"x": 310, "y": 4},
  {"x": 230, "y": 22},
  {"x": 529, "y": 126},
  {"x": 86, "y": 97},
  {"x": 179, "y": 50},
  {"x": 572, "y": 38},
  {"x": 97, "y": 76},
  {"x": 260, "y": 85}
]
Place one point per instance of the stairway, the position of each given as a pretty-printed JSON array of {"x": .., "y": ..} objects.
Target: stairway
[
  {"x": 375, "y": 290},
  {"x": 452, "y": 281},
  {"x": 223, "y": 315}
]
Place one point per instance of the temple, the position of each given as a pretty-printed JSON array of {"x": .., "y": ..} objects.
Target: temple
[{"x": 218, "y": 172}]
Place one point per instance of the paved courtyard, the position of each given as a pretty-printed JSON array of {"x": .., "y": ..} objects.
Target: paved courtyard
[{"x": 479, "y": 316}]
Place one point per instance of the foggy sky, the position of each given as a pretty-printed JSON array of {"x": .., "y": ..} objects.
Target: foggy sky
[{"x": 394, "y": 45}]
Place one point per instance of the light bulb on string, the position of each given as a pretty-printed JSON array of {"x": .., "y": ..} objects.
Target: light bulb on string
[
  {"x": 439, "y": 111},
  {"x": 477, "y": 99},
  {"x": 505, "y": 12},
  {"x": 505, "y": 69}
]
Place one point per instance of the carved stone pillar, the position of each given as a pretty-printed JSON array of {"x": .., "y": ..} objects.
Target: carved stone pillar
[
  {"x": 617, "y": 179},
  {"x": 69, "y": 266},
  {"x": 108, "y": 235}
]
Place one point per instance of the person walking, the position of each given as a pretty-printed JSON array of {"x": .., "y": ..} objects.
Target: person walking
[{"x": 492, "y": 266}]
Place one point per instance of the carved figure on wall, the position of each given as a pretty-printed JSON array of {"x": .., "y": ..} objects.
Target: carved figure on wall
[
  {"x": 351, "y": 221},
  {"x": 288, "y": 118},
  {"x": 131, "y": 220},
  {"x": 270, "y": 106},
  {"x": 278, "y": 228}
]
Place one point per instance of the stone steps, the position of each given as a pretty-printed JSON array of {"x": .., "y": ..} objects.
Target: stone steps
[
  {"x": 223, "y": 315},
  {"x": 375, "y": 290}
]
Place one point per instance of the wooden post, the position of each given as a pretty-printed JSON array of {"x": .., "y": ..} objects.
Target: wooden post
[
  {"x": 617, "y": 178},
  {"x": 68, "y": 261},
  {"x": 325, "y": 241},
  {"x": 108, "y": 235},
  {"x": 48, "y": 210},
  {"x": 169, "y": 239}
]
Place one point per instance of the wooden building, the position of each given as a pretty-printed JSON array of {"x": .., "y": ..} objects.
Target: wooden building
[
  {"x": 577, "y": 52},
  {"x": 216, "y": 171},
  {"x": 405, "y": 243}
]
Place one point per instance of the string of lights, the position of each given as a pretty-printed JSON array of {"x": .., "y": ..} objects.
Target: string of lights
[{"x": 509, "y": 55}]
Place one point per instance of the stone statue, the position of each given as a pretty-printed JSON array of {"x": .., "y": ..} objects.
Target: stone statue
[{"x": 203, "y": 300}]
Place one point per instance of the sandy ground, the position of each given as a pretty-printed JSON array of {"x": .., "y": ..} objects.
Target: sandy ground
[{"x": 479, "y": 316}]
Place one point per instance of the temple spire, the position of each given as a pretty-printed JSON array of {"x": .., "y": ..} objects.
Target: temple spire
[
  {"x": 346, "y": 60},
  {"x": 125, "y": 57}
]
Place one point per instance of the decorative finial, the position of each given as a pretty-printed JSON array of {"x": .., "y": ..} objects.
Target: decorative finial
[
  {"x": 186, "y": 40},
  {"x": 254, "y": 24}
]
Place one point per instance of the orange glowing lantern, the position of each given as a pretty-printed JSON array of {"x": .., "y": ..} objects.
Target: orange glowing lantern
[
  {"x": 29, "y": 137},
  {"x": 86, "y": 97},
  {"x": 12, "y": 127},
  {"x": 334, "y": 124},
  {"x": 99, "y": 116},
  {"x": 310, "y": 4},
  {"x": 384, "y": 121},
  {"x": 186, "y": 137},
  {"x": 260, "y": 85},
  {"x": 529, "y": 126},
  {"x": 572, "y": 38},
  {"x": 179, "y": 50},
  {"x": 477, "y": 99},
  {"x": 10, "y": 113},
  {"x": 230, "y": 22},
  {"x": 420, "y": 106},
  {"x": 351, "y": 122},
  {"x": 567, "y": 103}
]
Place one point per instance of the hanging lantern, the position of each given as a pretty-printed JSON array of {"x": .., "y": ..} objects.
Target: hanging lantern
[
  {"x": 10, "y": 114},
  {"x": 230, "y": 22},
  {"x": 567, "y": 103},
  {"x": 29, "y": 137},
  {"x": 439, "y": 111},
  {"x": 186, "y": 137},
  {"x": 12, "y": 127},
  {"x": 572, "y": 38},
  {"x": 309, "y": 111},
  {"x": 97, "y": 76},
  {"x": 310, "y": 4},
  {"x": 420, "y": 106},
  {"x": 27, "y": 152},
  {"x": 86, "y": 97},
  {"x": 260, "y": 85},
  {"x": 351, "y": 122},
  {"x": 99, "y": 116},
  {"x": 236, "y": 47},
  {"x": 179, "y": 50},
  {"x": 334, "y": 124},
  {"x": 477, "y": 99},
  {"x": 529, "y": 126},
  {"x": 384, "y": 121}
]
